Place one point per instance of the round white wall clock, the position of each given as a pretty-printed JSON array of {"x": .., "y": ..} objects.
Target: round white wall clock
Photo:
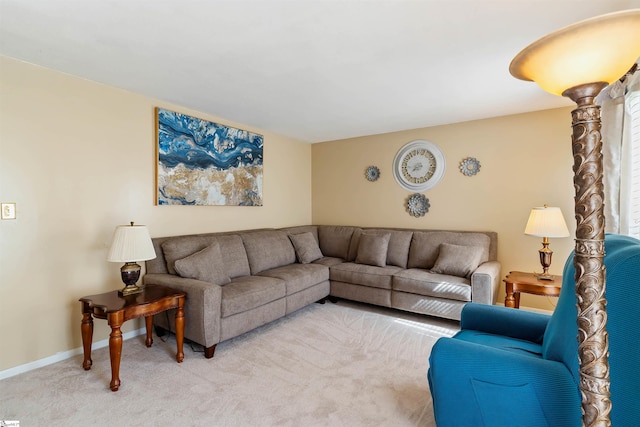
[{"x": 418, "y": 166}]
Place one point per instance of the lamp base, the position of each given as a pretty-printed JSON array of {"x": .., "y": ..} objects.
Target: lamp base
[
  {"x": 130, "y": 290},
  {"x": 130, "y": 273},
  {"x": 545, "y": 260}
]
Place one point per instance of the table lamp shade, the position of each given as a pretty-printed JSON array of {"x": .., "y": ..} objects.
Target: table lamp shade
[
  {"x": 582, "y": 53},
  {"x": 131, "y": 243},
  {"x": 546, "y": 222}
]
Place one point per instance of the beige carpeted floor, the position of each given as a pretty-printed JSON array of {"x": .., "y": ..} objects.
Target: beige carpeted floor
[{"x": 339, "y": 364}]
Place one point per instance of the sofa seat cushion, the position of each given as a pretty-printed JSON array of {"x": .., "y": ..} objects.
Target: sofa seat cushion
[
  {"x": 501, "y": 342},
  {"x": 424, "y": 282},
  {"x": 248, "y": 292},
  {"x": 329, "y": 261},
  {"x": 298, "y": 277},
  {"x": 361, "y": 274}
]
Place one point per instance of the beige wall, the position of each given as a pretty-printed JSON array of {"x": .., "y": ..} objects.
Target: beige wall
[
  {"x": 526, "y": 161},
  {"x": 78, "y": 159}
]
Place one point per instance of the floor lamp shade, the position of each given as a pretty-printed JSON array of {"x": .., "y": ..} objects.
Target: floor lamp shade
[
  {"x": 578, "y": 61},
  {"x": 586, "y": 52},
  {"x": 131, "y": 243}
]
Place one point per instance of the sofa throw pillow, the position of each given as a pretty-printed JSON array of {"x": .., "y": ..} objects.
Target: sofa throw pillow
[
  {"x": 306, "y": 247},
  {"x": 205, "y": 265},
  {"x": 456, "y": 260},
  {"x": 181, "y": 247},
  {"x": 372, "y": 249}
]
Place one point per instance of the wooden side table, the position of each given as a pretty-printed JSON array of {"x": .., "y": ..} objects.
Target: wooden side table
[
  {"x": 518, "y": 281},
  {"x": 118, "y": 309}
]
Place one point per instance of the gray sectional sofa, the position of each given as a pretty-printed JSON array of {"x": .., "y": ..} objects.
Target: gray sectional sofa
[{"x": 237, "y": 281}]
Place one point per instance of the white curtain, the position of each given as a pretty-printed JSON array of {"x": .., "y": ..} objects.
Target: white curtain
[{"x": 620, "y": 111}]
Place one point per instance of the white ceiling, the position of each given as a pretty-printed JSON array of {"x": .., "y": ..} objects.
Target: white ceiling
[{"x": 313, "y": 70}]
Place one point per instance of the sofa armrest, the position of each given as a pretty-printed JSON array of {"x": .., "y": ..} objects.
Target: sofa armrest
[
  {"x": 498, "y": 320},
  {"x": 202, "y": 306},
  {"x": 484, "y": 282}
]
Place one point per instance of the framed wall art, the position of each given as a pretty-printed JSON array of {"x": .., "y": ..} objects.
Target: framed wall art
[{"x": 204, "y": 163}]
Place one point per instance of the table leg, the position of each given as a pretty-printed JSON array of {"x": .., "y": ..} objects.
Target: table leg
[
  {"x": 509, "y": 300},
  {"x": 148, "y": 320},
  {"x": 180, "y": 330},
  {"x": 517, "y": 297},
  {"x": 87, "y": 336},
  {"x": 115, "y": 351}
]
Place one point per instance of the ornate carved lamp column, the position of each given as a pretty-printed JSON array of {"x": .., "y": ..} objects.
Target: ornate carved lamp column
[{"x": 578, "y": 61}]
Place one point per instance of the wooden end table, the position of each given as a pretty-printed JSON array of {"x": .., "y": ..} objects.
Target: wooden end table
[
  {"x": 518, "y": 281},
  {"x": 118, "y": 309}
]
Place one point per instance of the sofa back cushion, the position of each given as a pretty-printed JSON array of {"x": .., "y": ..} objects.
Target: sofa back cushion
[
  {"x": 234, "y": 255},
  {"x": 268, "y": 249},
  {"x": 298, "y": 229},
  {"x": 425, "y": 246},
  {"x": 232, "y": 251},
  {"x": 157, "y": 265},
  {"x": 335, "y": 240},
  {"x": 399, "y": 242}
]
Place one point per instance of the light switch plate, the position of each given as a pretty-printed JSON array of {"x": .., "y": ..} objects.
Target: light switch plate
[{"x": 8, "y": 210}]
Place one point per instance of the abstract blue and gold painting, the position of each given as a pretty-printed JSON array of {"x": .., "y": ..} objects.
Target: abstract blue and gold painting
[{"x": 206, "y": 163}]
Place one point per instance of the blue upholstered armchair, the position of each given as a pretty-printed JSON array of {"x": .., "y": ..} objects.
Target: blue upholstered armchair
[{"x": 508, "y": 367}]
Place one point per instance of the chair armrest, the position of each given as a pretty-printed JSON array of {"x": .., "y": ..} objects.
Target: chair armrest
[
  {"x": 473, "y": 384},
  {"x": 202, "y": 306},
  {"x": 494, "y": 319},
  {"x": 484, "y": 282}
]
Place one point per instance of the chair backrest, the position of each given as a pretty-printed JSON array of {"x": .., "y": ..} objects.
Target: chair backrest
[{"x": 622, "y": 263}]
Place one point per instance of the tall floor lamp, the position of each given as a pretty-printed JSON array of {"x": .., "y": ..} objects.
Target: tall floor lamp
[{"x": 578, "y": 61}]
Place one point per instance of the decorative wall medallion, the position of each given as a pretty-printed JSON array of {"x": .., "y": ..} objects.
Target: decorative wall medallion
[
  {"x": 418, "y": 205},
  {"x": 419, "y": 165},
  {"x": 372, "y": 173},
  {"x": 470, "y": 166}
]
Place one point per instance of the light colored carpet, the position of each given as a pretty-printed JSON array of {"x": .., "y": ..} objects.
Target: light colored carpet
[{"x": 326, "y": 365}]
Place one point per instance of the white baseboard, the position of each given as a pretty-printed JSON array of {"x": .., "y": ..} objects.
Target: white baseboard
[{"x": 63, "y": 355}]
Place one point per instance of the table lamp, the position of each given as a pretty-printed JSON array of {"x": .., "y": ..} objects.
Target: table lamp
[
  {"x": 546, "y": 222},
  {"x": 131, "y": 243},
  {"x": 578, "y": 61}
]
